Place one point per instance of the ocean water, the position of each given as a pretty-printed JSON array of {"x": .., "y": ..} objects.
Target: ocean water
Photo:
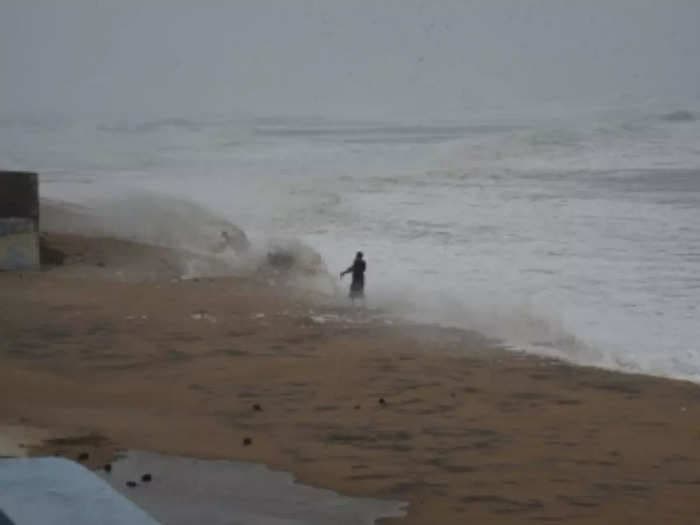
[{"x": 574, "y": 236}]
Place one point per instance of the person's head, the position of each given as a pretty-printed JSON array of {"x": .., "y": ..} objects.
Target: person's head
[{"x": 358, "y": 255}]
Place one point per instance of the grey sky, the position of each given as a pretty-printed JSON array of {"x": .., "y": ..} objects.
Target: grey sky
[{"x": 352, "y": 58}]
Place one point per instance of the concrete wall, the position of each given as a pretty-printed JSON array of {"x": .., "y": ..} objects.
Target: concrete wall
[{"x": 19, "y": 221}]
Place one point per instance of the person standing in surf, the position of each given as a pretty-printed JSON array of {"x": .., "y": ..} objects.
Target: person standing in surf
[{"x": 357, "y": 286}]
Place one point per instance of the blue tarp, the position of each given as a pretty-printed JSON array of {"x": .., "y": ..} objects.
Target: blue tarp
[{"x": 55, "y": 491}]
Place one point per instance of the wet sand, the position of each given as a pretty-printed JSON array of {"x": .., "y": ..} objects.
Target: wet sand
[
  {"x": 236, "y": 369},
  {"x": 186, "y": 491}
]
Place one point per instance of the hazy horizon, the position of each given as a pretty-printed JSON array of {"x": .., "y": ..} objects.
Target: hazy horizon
[{"x": 395, "y": 59}]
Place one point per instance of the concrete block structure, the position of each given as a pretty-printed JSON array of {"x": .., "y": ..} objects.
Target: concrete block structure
[{"x": 19, "y": 221}]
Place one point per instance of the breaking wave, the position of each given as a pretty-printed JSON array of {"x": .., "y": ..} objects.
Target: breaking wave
[{"x": 207, "y": 243}]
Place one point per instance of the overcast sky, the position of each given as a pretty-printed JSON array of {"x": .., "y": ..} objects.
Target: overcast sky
[{"x": 345, "y": 58}]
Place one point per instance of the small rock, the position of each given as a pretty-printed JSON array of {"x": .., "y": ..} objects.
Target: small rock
[
  {"x": 247, "y": 441},
  {"x": 131, "y": 484},
  {"x": 108, "y": 468},
  {"x": 382, "y": 401},
  {"x": 257, "y": 407},
  {"x": 146, "y": 478},
  {"x": 357, "y": 407},
  {"x": 84, "y": 456}
]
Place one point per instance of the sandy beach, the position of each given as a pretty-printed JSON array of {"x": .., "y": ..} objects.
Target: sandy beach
[{"x": 234, "y": 368}]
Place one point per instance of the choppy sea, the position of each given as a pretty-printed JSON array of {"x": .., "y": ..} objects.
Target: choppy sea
[{"x": 576, "y": 236}]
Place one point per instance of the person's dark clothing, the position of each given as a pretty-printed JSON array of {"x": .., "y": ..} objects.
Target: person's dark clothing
[{"x": 357, "y": 287}]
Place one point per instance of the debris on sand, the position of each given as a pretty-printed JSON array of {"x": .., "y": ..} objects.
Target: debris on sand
[{"x": 203, "y": 316}]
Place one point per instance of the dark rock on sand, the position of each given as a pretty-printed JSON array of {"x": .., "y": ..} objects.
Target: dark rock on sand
[
  {"x": 107, "y": 468},
  {"x": 247, "y": 441},
  {"x": 84, "y": 456},
  {"x": 50, "y": 256},
  {"x": 285, "y": 256},
  {"x": 280, "y": 260},
  {"x": 257, "y": 407},
  {"x": 146, "y": 478},
  {"x": 131, "y": 484},
  {"x": 382, "y": 401}
]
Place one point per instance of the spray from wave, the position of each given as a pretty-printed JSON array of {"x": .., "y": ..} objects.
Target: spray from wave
[
  {"x": 525, "y": 231},
  {"x": 206, "y": 243}
]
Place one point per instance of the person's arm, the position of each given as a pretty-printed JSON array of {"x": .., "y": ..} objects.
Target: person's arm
[{"x": 347, "y": 271}]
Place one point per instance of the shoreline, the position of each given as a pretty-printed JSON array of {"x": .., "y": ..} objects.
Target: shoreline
[{"x": 444, "y": 419}]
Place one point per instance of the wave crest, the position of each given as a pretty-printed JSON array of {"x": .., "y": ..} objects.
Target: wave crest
[
  {"x": 208, "y": 244},
  {"x": 682, "y": 115}
]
